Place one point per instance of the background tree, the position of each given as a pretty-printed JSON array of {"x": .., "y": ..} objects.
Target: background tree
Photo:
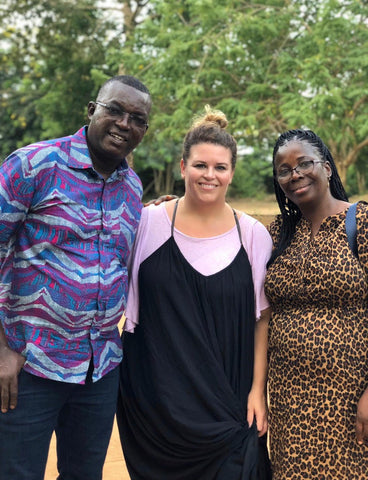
[
  {"x": 48, "y": 58},
  {"x": 270, "y": 66},
  {"x": 329, "y": 92},
  {"x": 53, "y": 59}
]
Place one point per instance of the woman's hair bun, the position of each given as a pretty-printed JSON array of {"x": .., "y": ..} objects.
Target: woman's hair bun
[{"x": 211, "y": 116}]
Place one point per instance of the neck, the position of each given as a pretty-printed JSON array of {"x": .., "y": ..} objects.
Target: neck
[
  {"x": 315, "y": 214},
  {"x": 203, "y": 219},
  {"x": 207, "y": 210},
  {"x": 103, "y": 170},
  {"x": 104, "y": 165}
]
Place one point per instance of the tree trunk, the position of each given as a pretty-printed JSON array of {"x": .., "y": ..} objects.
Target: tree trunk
[
  {"x": 169, "y": 184},
  {"x": 361, "y": 181},
  {"x": 342, "y": 170}
]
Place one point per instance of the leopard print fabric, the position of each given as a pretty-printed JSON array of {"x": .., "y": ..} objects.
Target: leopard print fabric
[{"x": 318, "y": 351}]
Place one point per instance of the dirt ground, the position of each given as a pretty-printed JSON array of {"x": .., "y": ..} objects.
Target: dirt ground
[
  {"x": 115, "y": 469},
  {"x": 263, "y": 210}
]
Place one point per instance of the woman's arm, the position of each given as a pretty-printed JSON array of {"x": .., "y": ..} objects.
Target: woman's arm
[
  {"x": 257, "y": 402},
  {"x": 362, "y": 419}
]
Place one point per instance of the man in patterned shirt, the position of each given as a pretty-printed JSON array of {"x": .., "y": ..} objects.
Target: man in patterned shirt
[{"x": 69, "y": 210}]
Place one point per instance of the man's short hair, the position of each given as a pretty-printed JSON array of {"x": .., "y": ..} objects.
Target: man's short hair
[{"x": 127, "y": 80}]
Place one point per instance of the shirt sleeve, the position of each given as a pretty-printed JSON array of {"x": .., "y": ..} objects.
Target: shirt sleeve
[
  {"x": 16, "y": 194},
  {"x": 258, "y": 244}
]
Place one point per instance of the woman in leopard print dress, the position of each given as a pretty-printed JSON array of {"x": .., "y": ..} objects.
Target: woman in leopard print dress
[{"x": 318, "y": 345}]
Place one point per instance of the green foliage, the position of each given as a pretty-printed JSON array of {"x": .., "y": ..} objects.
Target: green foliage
[
  {"x": 253, "y": 174},
  {"x": 269, "y": 66},
  {"x": 358, "y": 175},
  {"x": 47, "y": 62}
]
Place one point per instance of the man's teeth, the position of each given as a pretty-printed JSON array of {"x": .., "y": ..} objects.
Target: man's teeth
[{"x": 117, "y": 136}]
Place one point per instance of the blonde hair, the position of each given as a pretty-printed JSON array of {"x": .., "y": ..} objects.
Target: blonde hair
[
  {"x": 210, "y": 116},
  {"x": 210, "y": 127}
]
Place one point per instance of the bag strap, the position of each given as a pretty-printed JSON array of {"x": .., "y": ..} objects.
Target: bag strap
[{"x": 351, "y": 228}]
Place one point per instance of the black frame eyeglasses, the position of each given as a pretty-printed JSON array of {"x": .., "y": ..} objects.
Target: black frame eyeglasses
[
  {"x": 117, "y": 112},
  {"x": 304, "y": 167}
]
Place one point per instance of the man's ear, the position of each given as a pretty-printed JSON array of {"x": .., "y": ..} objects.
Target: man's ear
[{"x": 91, "y": 109}]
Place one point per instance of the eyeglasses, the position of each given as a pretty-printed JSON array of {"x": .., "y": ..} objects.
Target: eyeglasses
[
  {"x": 119, "y": 113},
  {"x": 304, "y": 167}
]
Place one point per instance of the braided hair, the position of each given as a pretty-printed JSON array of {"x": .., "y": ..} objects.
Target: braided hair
[{"x": 290, "y": 212}]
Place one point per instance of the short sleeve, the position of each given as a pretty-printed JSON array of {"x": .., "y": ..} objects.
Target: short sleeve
[{"x": 258, "y": 244}]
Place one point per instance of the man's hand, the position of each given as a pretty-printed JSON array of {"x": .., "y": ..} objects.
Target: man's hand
[
  {"x": 163, "y": 198},
  {"x": 361, "y": 428},
  {"x": 11, "y": 364}
]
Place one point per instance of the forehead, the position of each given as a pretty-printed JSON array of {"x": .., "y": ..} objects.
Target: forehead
[
  {"x": 208, "y": 151},
  {"x": 129, "y": 97},
  {"x": 293, "y": 150}
]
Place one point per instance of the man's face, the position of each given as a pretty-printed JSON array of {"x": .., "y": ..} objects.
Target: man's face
[{"x": 113, "y": 134}]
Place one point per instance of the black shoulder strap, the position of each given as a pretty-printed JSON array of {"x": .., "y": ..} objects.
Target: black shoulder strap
[
  {"x": 174, "y": 216},
  {"x": 351, "y": 228},
  {"x": 238, "y": 226}
]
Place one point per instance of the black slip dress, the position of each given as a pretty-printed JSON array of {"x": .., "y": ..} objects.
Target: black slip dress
[{"x": 187, "y": 371}]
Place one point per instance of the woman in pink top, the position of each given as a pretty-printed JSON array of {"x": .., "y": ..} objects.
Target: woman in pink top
[{"x": 192, "y": 400}]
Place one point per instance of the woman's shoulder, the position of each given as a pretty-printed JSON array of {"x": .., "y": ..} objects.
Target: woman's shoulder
[
  {"x": 153, "y": 231},
  {"x": 362, "y": 215},
  {"x": 249, "y": 221},
  {"x": 251, "y": 224},
  {"x": 154, "y": 211},
  {"x": 246, "y": 218},
  {"x": 154, "y": 221},
  {"x": 362, "y": 209}
]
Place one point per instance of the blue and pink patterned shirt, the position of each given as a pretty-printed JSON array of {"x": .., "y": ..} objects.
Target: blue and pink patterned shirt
[{"x": 65, "y": 238}]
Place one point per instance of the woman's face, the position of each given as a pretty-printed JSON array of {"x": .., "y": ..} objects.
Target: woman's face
[
  {"x": 307, "y": 185},
  {"x": 208, "y": 172}
]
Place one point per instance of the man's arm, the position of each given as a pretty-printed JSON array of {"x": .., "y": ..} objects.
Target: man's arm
[
  {"x": 11, "y": 364},
  {"x": 15, "y": 201}
]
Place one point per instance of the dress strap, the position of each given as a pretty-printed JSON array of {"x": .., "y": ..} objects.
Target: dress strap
[
  {"x": 173, "y": 217},
  {"x": 238, "y": 226}
]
